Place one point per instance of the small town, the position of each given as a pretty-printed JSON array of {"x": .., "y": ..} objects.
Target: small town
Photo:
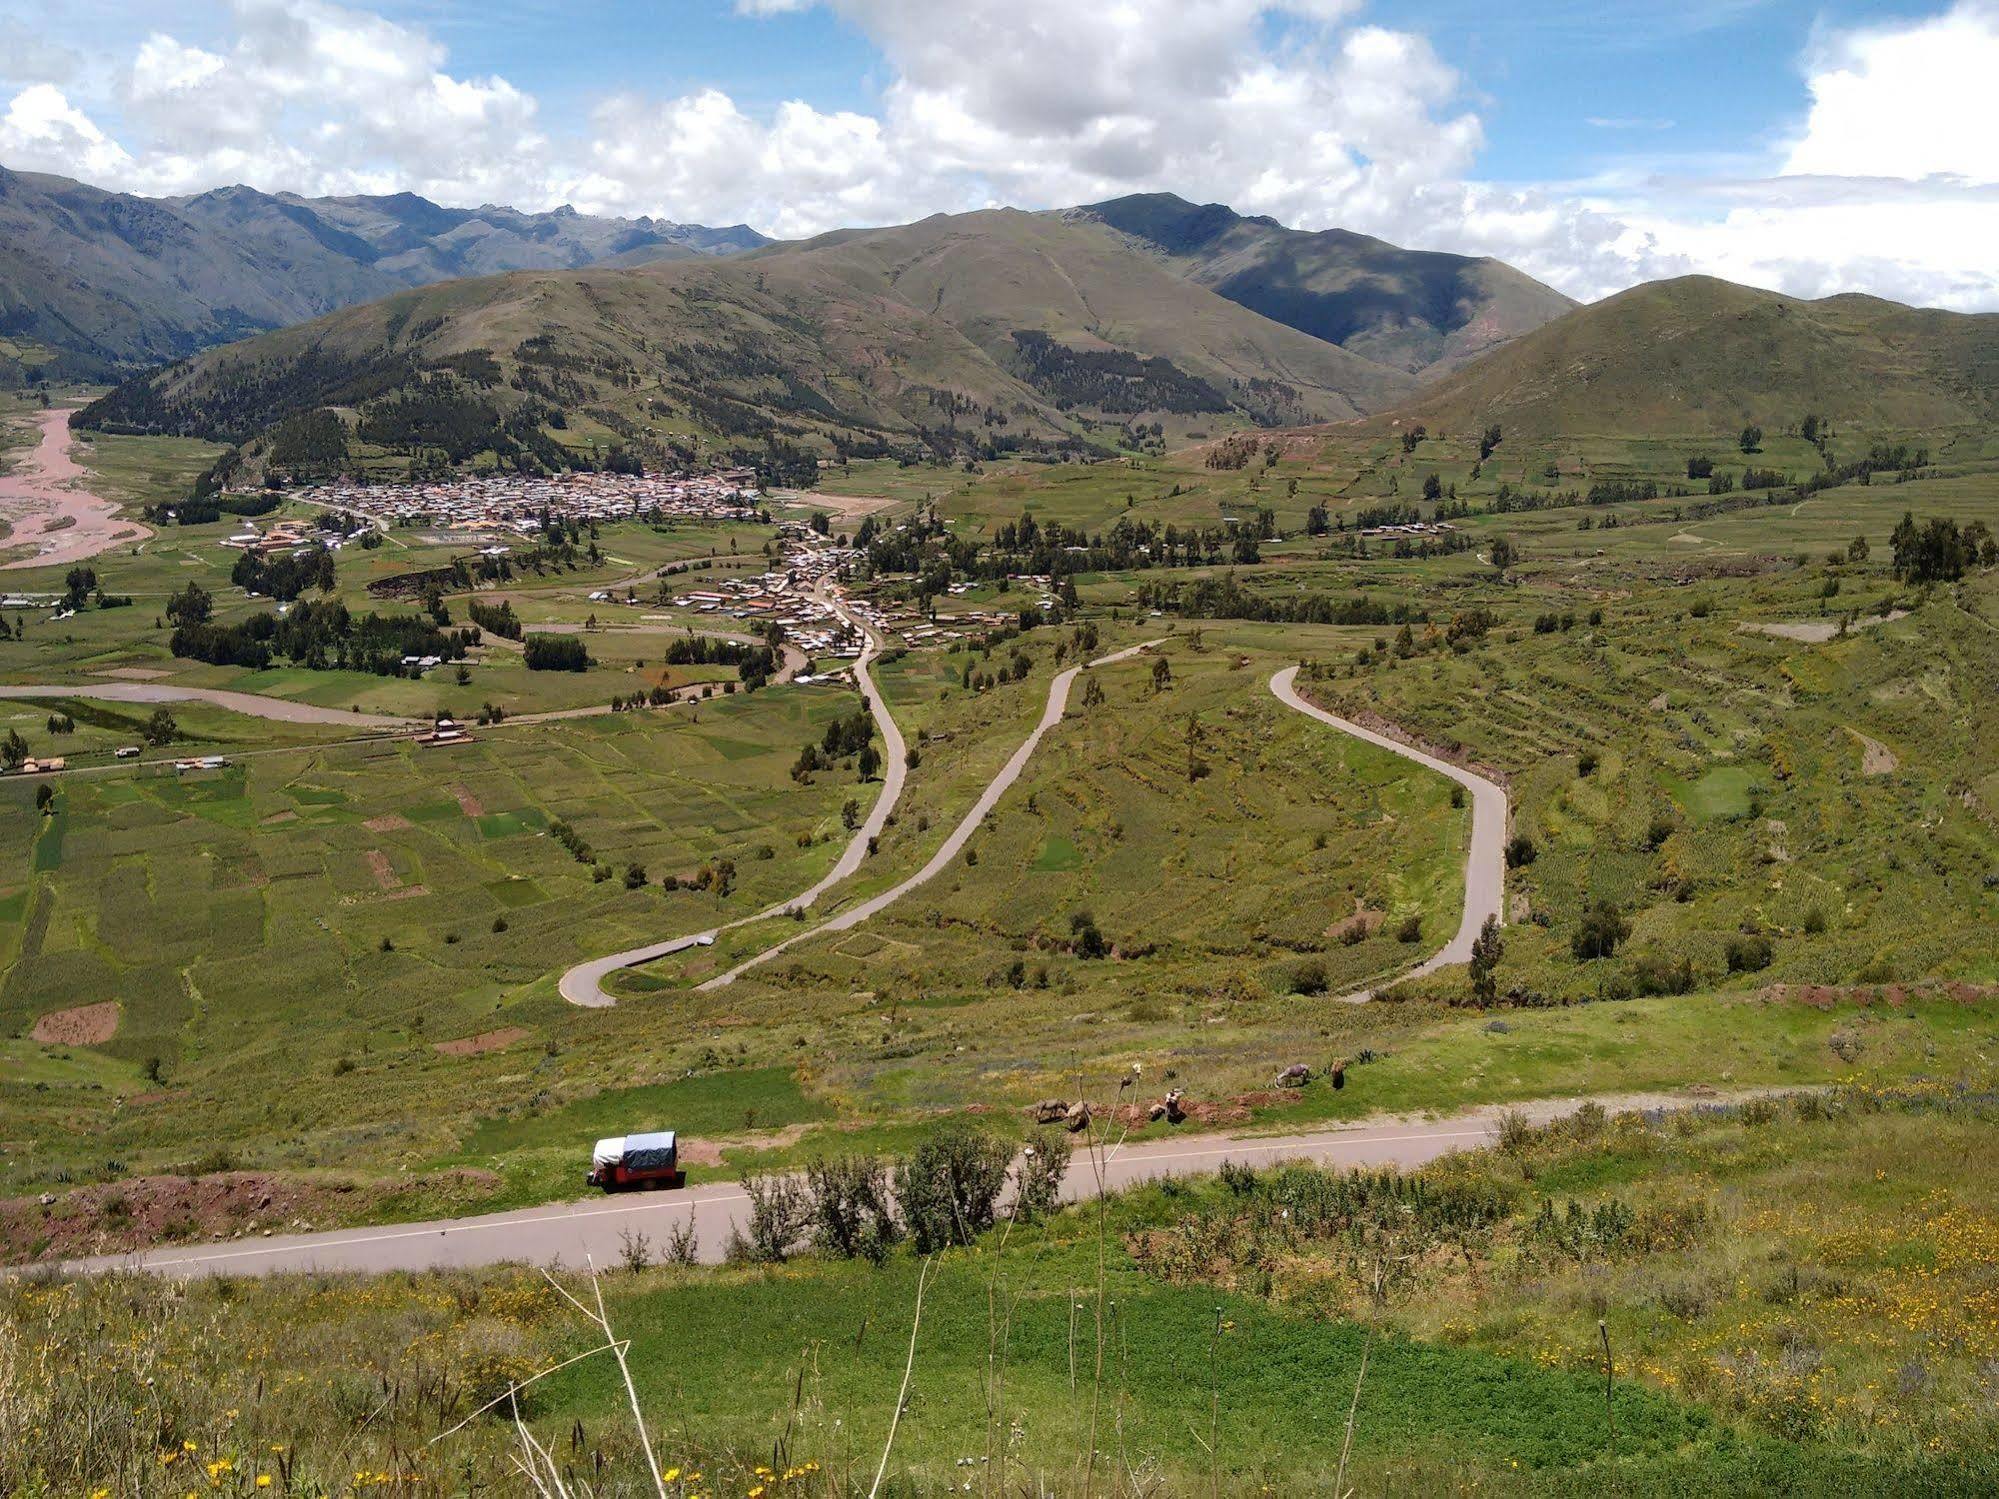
[{"x": 514, "y": 504}]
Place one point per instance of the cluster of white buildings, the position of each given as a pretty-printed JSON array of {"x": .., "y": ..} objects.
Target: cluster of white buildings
[
  {"x": 790, "y": 596},
  {"x": 515, "y": 503}
]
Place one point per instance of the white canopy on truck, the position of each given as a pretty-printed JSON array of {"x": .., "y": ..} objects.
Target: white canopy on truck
[{"x": 608, "y": 1152}]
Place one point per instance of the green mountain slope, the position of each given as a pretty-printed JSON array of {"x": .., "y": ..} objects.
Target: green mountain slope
[
  {"x": 1698, "y": 355},
  {"x": 107, "y": 282},
  {"x": 1420, "y": 311},
  {"x": 963, "y": 336}
]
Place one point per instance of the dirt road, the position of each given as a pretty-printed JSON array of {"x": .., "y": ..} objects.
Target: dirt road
[
  {"x": 584, "y": 984},
  {"x": 1058, "y": 702},
  {"x": 594, "y": 1228},
  {"x": 277, "y": 709},
  {"x": 1485, "y": 859},
  {"x": 45, "y": 503}
]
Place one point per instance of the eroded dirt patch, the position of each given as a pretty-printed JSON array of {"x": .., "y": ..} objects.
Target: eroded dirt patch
[
  {"x": 479, "y": 1045},
  {"x": 468, "y": 803},
  {"x": 1876, "y": 759},
  {"x": 81, "y": 1025},
  {"x": 382, "y": 869},
  {"x": 388, "y": 822}
]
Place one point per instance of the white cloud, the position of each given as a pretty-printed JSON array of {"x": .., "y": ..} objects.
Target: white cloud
[
  {"x": 43, "y": 131},
  {"x": 1915, "y": 100}
]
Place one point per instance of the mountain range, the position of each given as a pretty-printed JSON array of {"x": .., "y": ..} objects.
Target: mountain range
[
  {"x": 103, "y": 283},
  {"x": 1421, "y": 311}
]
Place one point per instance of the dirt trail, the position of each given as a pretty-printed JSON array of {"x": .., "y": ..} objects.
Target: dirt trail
[{"x": 45, "y": 503}]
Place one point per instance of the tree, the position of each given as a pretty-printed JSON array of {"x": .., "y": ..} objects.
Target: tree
[
  {"x": 1433, "y": 487},
  {"x": 13, "y": 750},
  {"x": 1812, "y": 428},
  {"x": 1503, "y": 553},
  {"x": 1857, "y": 550},
  {"x": 1488, "y": 440},
  {"x": 1603, "y": 927},
  {"x": 1486, "y": 951},
  {"x": 870, "y": 762},
  {"x": 161, "y": 727},
  {"x": 191, "y": 606},
  {"x": 850, "y": 815},
  {"x": 1162, "y": 674},
  {"x": 1751, "y": 439},
  {"x": 635, "y": 876}
]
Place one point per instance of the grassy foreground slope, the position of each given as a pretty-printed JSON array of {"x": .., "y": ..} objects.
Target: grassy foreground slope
[{"x": 1797, "y": 1298}]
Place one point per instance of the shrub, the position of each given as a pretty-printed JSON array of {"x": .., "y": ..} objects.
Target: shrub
[
  {"x": 780, "y": 1213},
  {"x": 1520, "y": 851},
  {"x": 1309, "y": 977},
  {"x": 949, "y": 1187},
  {"x": 1749, "y": 953},
  {"x": 1603, "y": 928},
  {"x": 1037, "y": 1180},
  {"x": 1411, "y": 929},
  {"x": 1655, "y": 973},
  {"x": 1586, "y": 763},
  {"x": 851, "y": 1213}
]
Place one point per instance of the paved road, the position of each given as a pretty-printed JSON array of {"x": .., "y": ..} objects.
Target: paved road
[
  {"x": 584, "y": 984},
  {"x": 594, "y": 1228},
  {"x": 277, "y": 709},
  {"x": 1485, "y": 859},
  {"x": 1058, "y": 702}
]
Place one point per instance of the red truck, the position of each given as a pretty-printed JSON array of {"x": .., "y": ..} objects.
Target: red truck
[{"x": 636, "y": 1162}]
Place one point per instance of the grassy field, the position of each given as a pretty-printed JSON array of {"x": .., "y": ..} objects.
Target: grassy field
[{"x": 417, "y": 900}]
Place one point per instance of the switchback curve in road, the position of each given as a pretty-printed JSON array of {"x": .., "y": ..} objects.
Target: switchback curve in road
[
  {"x": 584, "y": 984},
  {"x": 1058, "y": 703},
  {"x": 572, "y": 1233},
  {"x": 1485, "y": 858}
]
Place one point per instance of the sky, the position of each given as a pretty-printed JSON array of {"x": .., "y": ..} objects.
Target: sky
[{"x": 1595, "y": 144}]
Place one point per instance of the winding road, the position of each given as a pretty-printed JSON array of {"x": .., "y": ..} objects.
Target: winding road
[
  {"x": 595, "y": 1228},
  {"x": 584, "y": 984},
  {"x": 1485, "y": 861},
  {"x": 1485, "y": 857},
  {"x": 1058, "y": 703}
]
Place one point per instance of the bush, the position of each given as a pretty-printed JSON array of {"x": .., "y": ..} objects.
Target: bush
[
  {"x": 1038, "y": 1178},
  {"x": 1309, "y": 977},
  {"x": 780, "y": 1212},
  {"x": 1749, "y": 953},
  {"x": 1655, "y": 973},
  {"x": 949, "y": 1188},
  {"x": 1520, "y": 851},
  {"x": 1411, "y": 929},
  {"x": 851, "y": 1213},
  {"x": 1586, "y": 763}
]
